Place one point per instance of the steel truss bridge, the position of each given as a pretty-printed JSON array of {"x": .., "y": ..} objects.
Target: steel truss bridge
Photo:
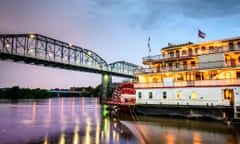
[{"x": 42, "y": 50}]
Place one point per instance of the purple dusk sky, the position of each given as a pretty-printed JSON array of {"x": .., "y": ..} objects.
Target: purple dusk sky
[{"x": 114, "y": 29}]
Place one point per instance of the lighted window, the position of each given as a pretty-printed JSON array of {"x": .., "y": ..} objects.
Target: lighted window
[
  {"x": 193, "y": 63},
  {"x": 231, "y": 46},
  {"x": 155, "y": 80},
  {"x": 150, "y": 95},
  {"x": 194, "y": 95},
  {"x": 163, "y": 66},
  {"x": 179, "y": 95},
  {"x": 139, "y": 95},
  {"x": 164, "y": 95},
  {"x": 184, "y": 52},
  {"x": 238, "y": 74},
  {"x": 185, "y": 65},
  {"x": 177, "y": 65},
  {"x": 226, "y": 60},
  {"x": 179, "y": 77},
  {"x": 199, "y": 76},
  {"x": 211, "y": 49},
  {"x": 171, "y": 54},
  {"x": 228, "y": 94},
  {"x": 190, "y": 52},
  {"x": 197, "y": 50},
  {"x": 170, "y": 66},
  {"x": 213, "y": 74},
  {"x": 238, "y": 45}
]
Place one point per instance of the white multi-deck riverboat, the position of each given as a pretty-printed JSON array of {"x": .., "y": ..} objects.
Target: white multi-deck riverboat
[{"x": 199, "y": 80}]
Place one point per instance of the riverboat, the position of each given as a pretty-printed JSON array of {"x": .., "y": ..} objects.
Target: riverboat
[{"x": 200, "y": 80}]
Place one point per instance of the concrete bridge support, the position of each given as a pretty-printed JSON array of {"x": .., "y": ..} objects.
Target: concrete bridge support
[{"x": 106, "y": 86}]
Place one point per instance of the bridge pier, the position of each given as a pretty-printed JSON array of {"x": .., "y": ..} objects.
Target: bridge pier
[{"x": 106, "y": 86}]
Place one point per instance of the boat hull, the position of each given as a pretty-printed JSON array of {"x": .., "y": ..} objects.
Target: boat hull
[{"x": 190, "y": 112}]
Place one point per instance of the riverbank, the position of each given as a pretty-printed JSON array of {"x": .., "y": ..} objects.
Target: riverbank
[
  {"x": 23, "y": 93},
  {"x": 16, "y": 92}
]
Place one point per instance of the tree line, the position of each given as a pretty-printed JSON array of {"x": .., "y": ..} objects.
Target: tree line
[{"x": 16, "y": 92}]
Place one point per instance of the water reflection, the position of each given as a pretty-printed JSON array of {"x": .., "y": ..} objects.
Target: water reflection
[
  {"x": 49, "y": 111},
  {"x": 60, "y": 121},
  {"x": 34, "y": 112},
  {"x": 84, "y": 121},
  {"x": 173, "y": 131}
]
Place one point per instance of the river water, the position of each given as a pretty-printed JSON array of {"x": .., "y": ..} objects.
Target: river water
[{"x": 84, "y": 121}]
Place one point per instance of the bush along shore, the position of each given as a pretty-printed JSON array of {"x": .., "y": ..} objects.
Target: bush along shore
[
  {"x": 26, "y": 93},
  {"x": 23, "y": 93}
]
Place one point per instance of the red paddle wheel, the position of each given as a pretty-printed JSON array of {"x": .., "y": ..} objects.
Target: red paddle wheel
[{"x": 123, "y": 94}]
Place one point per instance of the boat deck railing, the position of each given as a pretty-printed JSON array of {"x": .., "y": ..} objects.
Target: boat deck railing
[
  {"x": 210, "y": 50},
  {"x": 190, "y": 83},
  {"x": 191, "y": 67}
]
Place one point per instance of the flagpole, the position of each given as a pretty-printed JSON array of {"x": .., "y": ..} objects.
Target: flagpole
[{"x": 149, "y": 46}]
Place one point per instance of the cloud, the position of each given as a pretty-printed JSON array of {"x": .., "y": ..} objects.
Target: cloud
[
  {"x": 144, "y": 14},
  {"x": 149, "y": 13},
  {"x": 210, "y": 9}
]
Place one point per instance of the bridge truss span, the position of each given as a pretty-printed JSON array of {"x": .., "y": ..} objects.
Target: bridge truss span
[
  {"x": 123, "y": 67},
  {"x": 42, "y": 50},
  {"x": 45, "y": 50}
]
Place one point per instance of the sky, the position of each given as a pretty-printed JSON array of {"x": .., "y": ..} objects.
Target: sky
[{"x": 114, "y": 29}]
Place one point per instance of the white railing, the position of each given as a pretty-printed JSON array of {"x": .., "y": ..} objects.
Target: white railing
[
  {"x": 221, "y": 82},
  {"x": 190, "y": 67},
  {"x": 209, "y": 50}
]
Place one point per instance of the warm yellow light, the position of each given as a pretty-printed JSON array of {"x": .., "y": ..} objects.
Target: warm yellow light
[
  {"x": 87, "y": 139},
  {"x": 197, "y": 138},
  {"x": 7, "y": 45},
  {"x": 32, "y": 36},
  {"x": 194, "y": 95},
  {"x": 216, "y": 44},
  {"x": 169, "y": 138},
  {"x": 200, "y": 51},
  {"x": 76, "y": 137},
  {"x": 34, "y": 111},
  {"x": 89, "y": 53},
  {"x": 45, "y": 140},
  {"x": 61, "y": 139},
  {"x": 50, "y": 54},
  {"x": 31, "y": 50},
  {"x": 179, "y": 95}
]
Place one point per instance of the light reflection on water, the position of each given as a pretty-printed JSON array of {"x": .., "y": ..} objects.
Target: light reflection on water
[
  {"x": 81, "y": 121},
  {"x": 60, "y": 121},
  {"x": 173, "y": 131}
]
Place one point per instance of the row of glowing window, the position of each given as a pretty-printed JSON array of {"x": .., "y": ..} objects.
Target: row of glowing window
[
  {"x": 192, "y": 63},
  {"x": 164, "y": 95},
  {"x": 203, "y": 49},
  {"x": 228, "y": 94}
]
